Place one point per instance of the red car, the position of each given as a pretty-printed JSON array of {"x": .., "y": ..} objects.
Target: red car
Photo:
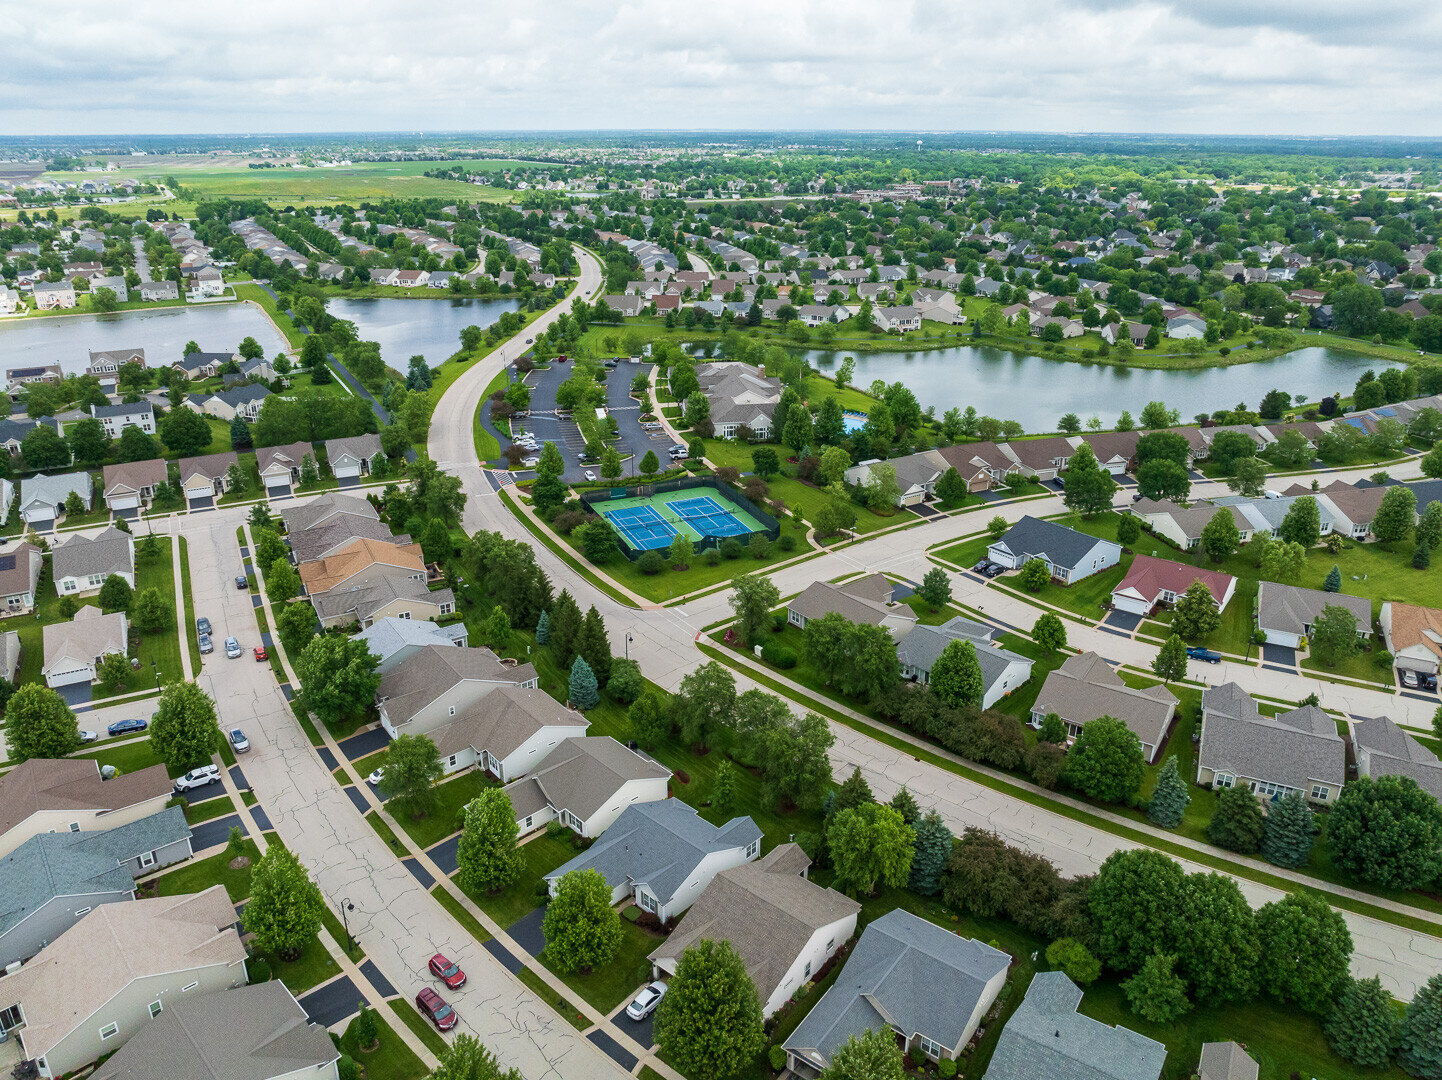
[
  {"x": 433, "y": 1005},
  {"x": 260, "y": 654},
  {"x": 447, "y": 972}
]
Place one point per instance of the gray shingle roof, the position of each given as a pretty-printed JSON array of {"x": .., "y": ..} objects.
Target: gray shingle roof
[
  {"x": 388, "y": 636},
  {"x": 365, "y": 600},
  {"x": 922, "y": 645},
  {"x": 54, "y": 490},
  {"x": 318, "y": 510},
  {"x": 250, "y": 1033},
  {"x": 1086, "y": 688},
  {"x": 821, "y": 598},
  {"x": 892, "y": 979},
  {"x": 1061, "y": 546},
  {"x": 1292, "y": 748},
  {"x": 1226, "y": 1061},
  {"x": 1047, "y": 1039},
  {"x": 433, "y": 670},
  {"x": 1289, "y": 609},
  {"x": 504, "y": 720},
  {"x": 338, "y": 531},
  {"x": 109, "y": 552},
  {"x": 584, "y": 772},
  {"x": 77, "y": 863},
  {"x": 359, "y": 446},
  {"x": 658, "y": 844},
  {"x": 1391, "y": 751}
]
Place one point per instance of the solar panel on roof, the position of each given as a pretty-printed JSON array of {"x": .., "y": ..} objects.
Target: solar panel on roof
[{"x": 1355, "y": 422}]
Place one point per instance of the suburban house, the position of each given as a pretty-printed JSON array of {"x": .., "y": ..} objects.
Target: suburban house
[
  {"x": 586, "y": 783},
  {"x": 916, "y": 475},
  {"x": 243, "y": 401},
  {"x": 131, "y": 485},
  {"x": 10, "y": 652},
  {"x": 902, "y": 318},
  {"x": 1114, "y": 450},
  {"x": 1151, "y": 582},
  {"x": 923, "y": 982},
  {"x": 439, "y": 682},
  {"x": 43, "y": 498},
  {"x": 256, "y": 1032},
  {"x": 359, "y": 563},
  {"x": 96, "y": 985},
  {"x": 1069, "y": 555},
  {"x": 394, "y": 640},
  {"x": 54, "y": 295},
  {"x": 784, "y": 927},
  {"x": 159, "y": 290},
  {"x": 207, "y": 476},
  {"x": 1002, "y": 671},
  {"x": 1043, "y": 458},
  {"x": 983, "y": 465},
  {"x": 116, "y": 418},
  {"x": 1226, "y": 1061},
  {"x": 740, "y": 396},
  {"x": 1183, "y": 525},
  {"x": 865, "y": 600},
  {"x": 1086, "y": 688},
  {"x": 1351, "y": 509},
  {"x": 1298, "y": 750},
  {"x": 108, "y": 362},
  {"x": 39, "y": 373},
  {"x": 1285, "y": 613},
  {"x": 1047, "y": 1037},
  {"x": 351, "y": 458},
  {"x": 207, "y": 281},
  {"x": 391, "y": 596},
  {"x": 205, "y": 365},
  {"x": 81, "y": 564},
  {"x": 1413, "y": 636},
  {"x": 509, "y": 733},
  {"x": 13, "y": 431},
  {"x": 73, "y": 649},
  {"x": 279, "y": 466},
  {"x": 19, "y": 576},
  {"x": 54, "y": 879},
  {"x": 338, "y": 533},
  {"x": 664, "y": 854},
  {"x": 323, "y": 508},
  {"x": 1384, "y": 749},
  {"x": 46, "y": 795}
]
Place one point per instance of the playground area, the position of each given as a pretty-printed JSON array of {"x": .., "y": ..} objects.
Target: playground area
[{"x": 651, "y": 521}]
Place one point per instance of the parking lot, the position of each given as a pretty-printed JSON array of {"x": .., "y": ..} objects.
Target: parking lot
[{"x": 633, "y": 440}]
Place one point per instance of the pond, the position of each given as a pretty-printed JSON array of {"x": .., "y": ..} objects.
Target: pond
[
  {"x": 429, "y": 327},
  {"x": 67, "y": 340},
  {"x": 1037, "y": 392}
]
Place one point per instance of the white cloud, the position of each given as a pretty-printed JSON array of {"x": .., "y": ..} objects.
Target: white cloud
[{"x": 1283, "y": 66}]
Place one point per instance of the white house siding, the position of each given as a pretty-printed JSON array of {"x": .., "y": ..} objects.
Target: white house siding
[
  {"x": 1014, "y": 675},
  {"x": 1134, "y": 605},
  {"x": 824, "y": 942},
  {"x": 700, "y": 877},
  {"x": 71, "y": 675},
  {"x": 633, "y": 792}
]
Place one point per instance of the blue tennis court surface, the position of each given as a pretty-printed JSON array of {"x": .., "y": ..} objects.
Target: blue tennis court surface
[
  {"x": 643, "y": 528},
  {"x": 708, "y": 517}
]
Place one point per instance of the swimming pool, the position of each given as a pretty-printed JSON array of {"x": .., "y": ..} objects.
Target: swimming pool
[{"x": 853, "y": 421}]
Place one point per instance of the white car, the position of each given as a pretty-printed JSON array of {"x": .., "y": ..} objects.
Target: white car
[
  {"x": 197, "y": 778},
  {"x": 591, "y": 476},
  {"x": 375, "y": 778},
  {"x": 644, "y": 1004},
  {"x": 88, "y": 736},
  {"x": 232, "y": 648}
]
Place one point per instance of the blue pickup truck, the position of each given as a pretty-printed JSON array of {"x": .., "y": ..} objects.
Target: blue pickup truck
[{"x": 1205, "y": 655}]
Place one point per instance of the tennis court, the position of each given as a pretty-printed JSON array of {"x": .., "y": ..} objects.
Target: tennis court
[
  {"x": 643, "y": 528},
  {"x": 708, "y": 517}
]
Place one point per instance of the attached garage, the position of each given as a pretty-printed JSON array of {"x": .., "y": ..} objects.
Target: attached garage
[
  {"x": 69, "y": 673},
  {"x": 277, "y": 485},
  {"x": 199, "y": 488},
  {"x": 1129, "y": 601},
  {"x": 124, "y": 502}
]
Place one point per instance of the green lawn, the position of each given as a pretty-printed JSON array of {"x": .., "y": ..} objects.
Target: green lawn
[
  {"x": 208, "y": 810},
  {"x": 965, "y": 554},
  {"x": 200, "y": 874},
  {"x": 128, "y": 756},
  {"x": 539, "y": 857},
  {"x": 1360, "y": 665},
  {"x": 460, "y": 914},
  {"x": 162, "y": 648},
  {"x": 188, "y": 630},
  {"x": 392, "y": 1060},
  {"x": 419, "y": 1025},
  {"x": 607, "y": 986},
  {"x": 1084, "y": 598},
  {"x": 440, "y": 820},
  {"x": 314, "y": 966}
]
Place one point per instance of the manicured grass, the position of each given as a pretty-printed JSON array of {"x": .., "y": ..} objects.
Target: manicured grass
[
  {"x": 337, "y": 932},
  {"x": 195, "y": 813},
  {"x": 313, "y": 967},
  {"x": 488, "y": 448},
  {"x": 200, "y": 874},
  {"x": 422, "y": 1028},
  {"x": 440, "y": 820},
  {"x": 392, "y": 1060},
  {"x": 1234, "y": 635},
  {"x": 1085, "y": 597},
  {"x": 188, "y": 630},
  {"x": 460, "y": 914},
  {"x": 163, "y": 646},
  {"x": 542, "y": 989},
  {"x": 126, "y": 756},
  {"x": 607, "y": 986},
  {"x": 386, "y": 833},
  {"x": 965, "y": 554},
  {"x": 539, "y": 857}
]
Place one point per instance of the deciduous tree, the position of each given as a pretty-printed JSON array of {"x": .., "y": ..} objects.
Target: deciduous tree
[
  {"x": 709, "y": 1023},
  {"x": 1387, "y": 831},
  {"x": 935, "y": 588},
  {"x": 582, "y": 930},
  {"x": 872, "y": 1055},
  {"x": 1305, "y": 950},
  {"x": 409, "y": 771},
  {"x": 284, "y": 910},
  {"x": 487, "y": 856},
  {"x": 1220, "y": 535},
  {"x": 338, "y": 675},
  {"x": 186, "y": 728},
  {"x": 870, "y": 845},
  {"x": 752, "y": 598},
  {"x": 39, "y": 724},
  {"x": 1106, "y": 761},
  {"x": 1049, "y": 632},
  {"x": 956, "y": 675},
  {"x": 1134, "y": 900},
  {"x": 1156, "y": 992},
  {"x": 1334, "y": 635},
  {"x": 1196, "y": 614}
]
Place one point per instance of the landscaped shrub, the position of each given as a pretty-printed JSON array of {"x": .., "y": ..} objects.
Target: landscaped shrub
[
  {"x": 652, "y": 562},
  {"x": 946, "y": 1068},
  {"x": 778, "y": 621},
  {"x": 713, "y": 557},
  {"x": 788, "y": 543},
  {"x": 777, "y": 1056},
  {"x": 782, "y": 656},
  {"x": 732, "y": 549}
]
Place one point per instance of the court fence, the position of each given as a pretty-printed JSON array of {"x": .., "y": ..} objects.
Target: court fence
[{"x": 595, "y": 501}]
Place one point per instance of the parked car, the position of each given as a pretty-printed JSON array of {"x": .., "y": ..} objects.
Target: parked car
[
  {"x": 88, "y": 736},
  {"x": 197, "y": 778},
  {"x": 206, "y": 645},
  {"x": 238, "y": 741},
  {"x": 375, "y": 777},
  {"x": 241, "y": 583},
  {"x": 261, "y": 655},
  {"x": 589, "y": 475},
  {"x": 988, "y": 569},
  {"x": 1204, "y": 655},
  {"x": 1409, "y": 679},
  {"x": 447, "y": 972},
  {"x": 232, "y": 648},
  {"x": 433, "y": 1005},
  {"x": 202, "y": 625},
  {"x": 124, "y": 727},
  {"x": 644, "y": 1003},
  {"x": 1429, "y": 682}
]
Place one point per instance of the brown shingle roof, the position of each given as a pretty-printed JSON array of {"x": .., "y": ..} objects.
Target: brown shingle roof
[
  {"x": 434, "y": 669},
  {"x": 134, "y": 475},
  {"x": 73, "y": 784},
  {"x": 322, "y": 575}
]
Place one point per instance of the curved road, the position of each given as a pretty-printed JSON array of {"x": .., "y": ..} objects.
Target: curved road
[{"x": 663, "y": 641}]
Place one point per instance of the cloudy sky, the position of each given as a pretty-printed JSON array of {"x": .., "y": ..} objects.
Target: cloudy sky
[{"x": 1313, "y": 67}]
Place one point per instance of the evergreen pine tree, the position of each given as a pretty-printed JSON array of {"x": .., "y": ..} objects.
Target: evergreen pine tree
[
  {"x": 1420, "y": 1047},
  {"x": 723, "y": 789},
  {"x": 1237, "y": 822},
  {"x": 1334, "y": 580},
  {"x": 933, "y": 845},
  {"x": 1288, "y": 834},
  {"x": 1363, "y": 1026},
  {"x": 904, "y": 803},
  {"x": 584, "y": 692},
  {"x": 1169, "y": 798},
  {"x": 543, "y": 629},
  {"x": 854, "y": 792},
  {"x": 595, "y": 646},
  {"x": 566, "y": 626}
]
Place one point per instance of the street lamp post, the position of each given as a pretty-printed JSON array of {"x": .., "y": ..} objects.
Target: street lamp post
[
  {"x": 156, "y": 672},
  {"x": 628, "y": 645},
  {"x": 345, "y": 906}
]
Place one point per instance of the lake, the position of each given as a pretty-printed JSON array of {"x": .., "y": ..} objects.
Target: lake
[
  {"x": 1037, "y": 392},
  {"x": 429, "y": 328},
  {"x": 162, "y": 333}
]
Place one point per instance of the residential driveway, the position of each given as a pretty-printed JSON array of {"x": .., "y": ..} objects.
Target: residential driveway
[
  {"x": 213, "y": 833},
  {"x": 640, "y": 1030},
  {"x": 526, "y": 931},
  {"x": 1279, "y": 654},
  {"x": 367, "y": 742},
  {"x": 76, "y": 693},
  {"x": 1122, "y": 620},
  {"x": 926, "y": 510},
  {"x": 335, "y": 1001},
  {"x": 206, "y": 502}
]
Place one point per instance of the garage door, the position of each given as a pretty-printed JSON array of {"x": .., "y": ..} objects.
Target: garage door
[
  {"x": 278, "y": 483},
  {"x": 69, "y": 678},
  {"x": 125, "y": 502},
  {"x": 200, "y": 491},
  {"x": 345, "y": 472},
  {"x": 1130, "y": 604}
]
